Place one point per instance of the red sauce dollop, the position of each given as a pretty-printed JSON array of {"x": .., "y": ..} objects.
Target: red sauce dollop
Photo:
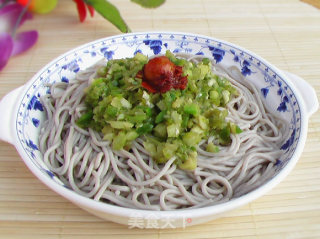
[{"x": 161, "y": 75}]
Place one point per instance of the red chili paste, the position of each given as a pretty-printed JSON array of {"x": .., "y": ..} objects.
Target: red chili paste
[{"x": 161, "y": 75}]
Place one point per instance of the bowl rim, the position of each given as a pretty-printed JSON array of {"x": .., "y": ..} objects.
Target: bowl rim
[{"x": 88, "y": 203}]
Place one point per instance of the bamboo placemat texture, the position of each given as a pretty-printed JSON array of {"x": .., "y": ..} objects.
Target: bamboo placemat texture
[{"x": 285, "y": 32}]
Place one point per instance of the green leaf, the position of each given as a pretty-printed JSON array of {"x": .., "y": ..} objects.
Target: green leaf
[
  {"x": 109, "y": 12},
  {"x": 149, "y": 3}
]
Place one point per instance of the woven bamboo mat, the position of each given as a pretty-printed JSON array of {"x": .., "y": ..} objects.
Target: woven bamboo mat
[{"x": 285, "y": 32}]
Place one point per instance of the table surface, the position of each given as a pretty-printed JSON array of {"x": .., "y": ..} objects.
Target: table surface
[{"x": 285, "y": 32}]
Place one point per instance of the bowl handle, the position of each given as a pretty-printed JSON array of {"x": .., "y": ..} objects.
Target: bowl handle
[
  {"x": 7, "y": 119},
  {"x": 307, "y": 92}
]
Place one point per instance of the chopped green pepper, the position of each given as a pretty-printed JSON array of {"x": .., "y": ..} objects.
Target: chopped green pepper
[{"x": 172, "y": 123}]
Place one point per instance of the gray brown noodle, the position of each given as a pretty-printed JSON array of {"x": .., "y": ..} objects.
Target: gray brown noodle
[{"x": 88, "y": 165}]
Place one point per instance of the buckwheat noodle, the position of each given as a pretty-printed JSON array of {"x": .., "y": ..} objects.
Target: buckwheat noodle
[{"x": 88, "y": 165}]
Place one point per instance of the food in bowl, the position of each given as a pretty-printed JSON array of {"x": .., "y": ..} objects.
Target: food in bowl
[
  {"x": 284, "y": 95},
  {"x": 166, "y": 133}
]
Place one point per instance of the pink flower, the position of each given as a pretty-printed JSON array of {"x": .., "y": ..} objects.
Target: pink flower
[{"x": 13, "y": 15}]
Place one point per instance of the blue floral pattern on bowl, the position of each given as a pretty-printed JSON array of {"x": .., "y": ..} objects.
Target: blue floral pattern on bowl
[{"x": 273, "y": 89}]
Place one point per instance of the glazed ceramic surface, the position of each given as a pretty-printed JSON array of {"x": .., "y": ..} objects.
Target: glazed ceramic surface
[{"x": 286, "y": 95}]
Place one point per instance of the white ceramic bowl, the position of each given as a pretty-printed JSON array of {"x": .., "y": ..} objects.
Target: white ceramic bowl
[{"x": 284, "y": 93}]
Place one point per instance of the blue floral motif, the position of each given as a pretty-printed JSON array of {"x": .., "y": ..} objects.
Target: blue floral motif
[
  {"x": 284, "y": 99},
  {"x": 31, "y": 145},
  {"x": 72, "y": 66},
  {"x": 279, "y": 83},
  {"x": 264, "y": 92},
  {"x": 155, "y": 45},
  {"x": 104, "y": 49},
  {"x": 217, "y": 53},
  {"x": 282, "y": 107},
  {"x": 64, "y": 79},
  {"x": 245, "y": 70},
  {"x": 236, "y": 59},
  {"x": 137, "y": 51},
  {"x": 200, "y": 53},
  {"x": 35, "y": 104},
  {"x": 245, "y": 65},
  {"x": 278, "y": 162},
  {"x": 35, "y": 122},
  {"x": 290, "y": 141},
  {"x": 107, "y": 53}
]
